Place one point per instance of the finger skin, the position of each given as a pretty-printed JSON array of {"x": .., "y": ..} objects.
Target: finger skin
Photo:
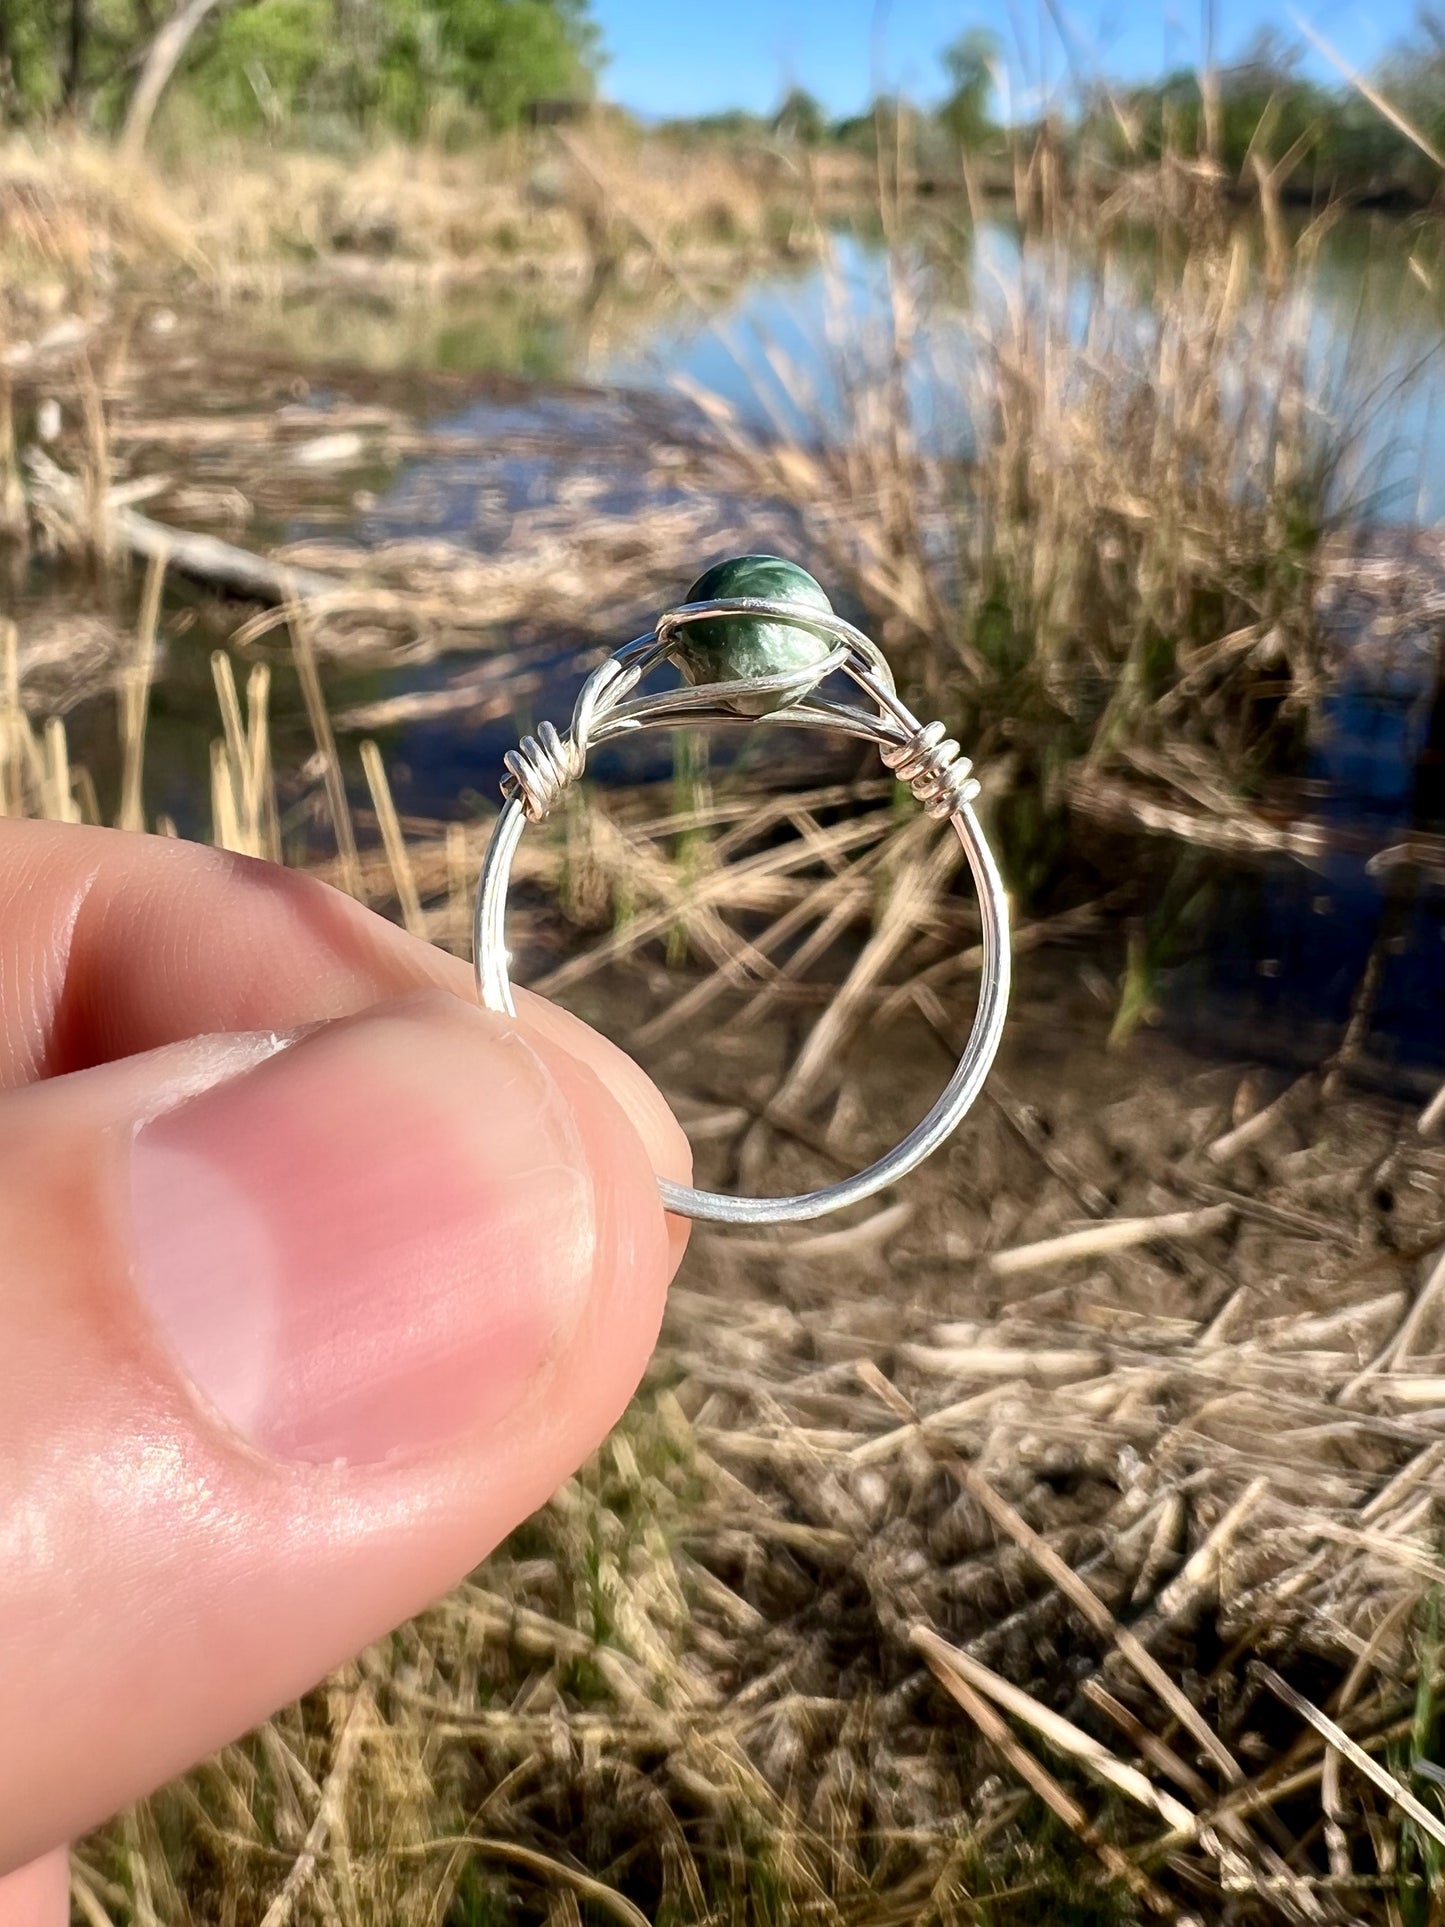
[
  {"x": 112, "y": 943},
  {"x": 163, "y": 1586},
  {"x": 166, "y": 1587},
  {"x": 37, "y": 1895}
]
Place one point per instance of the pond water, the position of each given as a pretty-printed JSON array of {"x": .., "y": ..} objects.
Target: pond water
[
  {"x": 1276, "y": 965},
  {"x": 778, "y": 344},
  {"x": 1280, "y": 958},
  {"x": 1277, "y": 961}
]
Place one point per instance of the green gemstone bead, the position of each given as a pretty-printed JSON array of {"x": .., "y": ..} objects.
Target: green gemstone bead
[{"x": 728, "y": 648}]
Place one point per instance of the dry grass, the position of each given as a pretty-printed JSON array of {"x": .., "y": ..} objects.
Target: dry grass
[
  {"x": 1121, "y": 1397},
  {"x": 695, "y": 1680},
  {"x": 71, "y": 206},
  {"x": 1128, "y": 579},
  {"x": 1057, "y": 1541},
  {"x": 244, "y": 216}
]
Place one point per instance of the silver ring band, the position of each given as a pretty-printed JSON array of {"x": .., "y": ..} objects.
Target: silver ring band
[{"x": 920, "y": 755}]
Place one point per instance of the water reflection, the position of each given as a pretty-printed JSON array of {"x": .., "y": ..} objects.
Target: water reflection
[
  {"x": 783, "y": 349},
  {"x": 1291, "y": 951},
  {"x": 788, "y": 345},
  {"x": 1279, "y": 962}
]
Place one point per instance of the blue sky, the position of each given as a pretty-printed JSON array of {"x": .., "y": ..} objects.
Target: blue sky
[{"x": 697, "y": 56}]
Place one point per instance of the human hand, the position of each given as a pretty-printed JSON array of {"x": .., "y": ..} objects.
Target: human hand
[{"x": 315, "y": 1280}]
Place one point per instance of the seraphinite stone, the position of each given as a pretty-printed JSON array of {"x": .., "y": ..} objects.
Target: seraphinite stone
[{"x": 729, "y": 648}]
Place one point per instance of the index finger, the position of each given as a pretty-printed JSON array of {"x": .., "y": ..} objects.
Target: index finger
[{"x": 112, "y": 944}]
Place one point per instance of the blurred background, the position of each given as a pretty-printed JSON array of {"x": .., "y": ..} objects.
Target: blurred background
[{"x": 1035, "y": 1543}]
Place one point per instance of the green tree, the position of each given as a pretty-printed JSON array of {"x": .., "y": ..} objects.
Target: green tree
[
  {"x": 392, "y": 61},
  {"x": 969, "y": 63},
  {"x": 38, "y": 65},
  {"x": 1266, "y": 107},
  {"x": 259, "y": 63},
  {"x": 72, "y": 57},
  {"x": 1413, "y": 78},
  {"x": 801, "y": 118},
  {"x": 886, "y": 119},
  {"x": 732, "y": 124}
]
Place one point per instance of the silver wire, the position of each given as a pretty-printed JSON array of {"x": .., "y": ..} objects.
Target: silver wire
[{"x": 921, "y": 755}]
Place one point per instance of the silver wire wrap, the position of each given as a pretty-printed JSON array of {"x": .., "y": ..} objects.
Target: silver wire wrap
[
  {"x": 921, "y": 755},
  {"x": 935, "y": 769},
  {"x": 541, "y": 767}
]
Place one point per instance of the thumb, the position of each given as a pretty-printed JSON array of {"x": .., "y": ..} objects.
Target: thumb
[{"x": 296, "y": 1328}]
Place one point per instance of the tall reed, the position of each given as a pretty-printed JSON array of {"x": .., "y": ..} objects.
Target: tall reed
[{"x": 1112, "y": 551}]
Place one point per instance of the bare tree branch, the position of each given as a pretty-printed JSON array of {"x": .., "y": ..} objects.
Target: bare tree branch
[{"x": 162, "y": 58}]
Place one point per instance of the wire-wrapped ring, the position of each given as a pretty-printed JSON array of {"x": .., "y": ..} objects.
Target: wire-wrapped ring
[{"x": 922, "y": 755}]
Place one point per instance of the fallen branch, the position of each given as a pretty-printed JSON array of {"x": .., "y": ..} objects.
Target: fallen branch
[
  {"x": 1122, "y": 1234},
  {"x": 1032, "y": 1771},
  {"x": 1336, "y": 1737},
  {"x": 62, "y": 499},
  {"x": 1262, "y": 1123}
]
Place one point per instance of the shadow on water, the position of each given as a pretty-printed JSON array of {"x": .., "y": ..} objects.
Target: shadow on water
[{"x": 1292, "y": 954}]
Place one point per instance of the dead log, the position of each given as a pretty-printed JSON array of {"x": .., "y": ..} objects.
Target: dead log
[{"x": 59, "y": 500}]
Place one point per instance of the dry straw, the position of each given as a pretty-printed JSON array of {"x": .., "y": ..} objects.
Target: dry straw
[{"x": 1142, "y": 1382}]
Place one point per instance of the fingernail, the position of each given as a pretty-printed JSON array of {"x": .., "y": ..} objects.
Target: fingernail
[{"x": 372, "y": 1241}]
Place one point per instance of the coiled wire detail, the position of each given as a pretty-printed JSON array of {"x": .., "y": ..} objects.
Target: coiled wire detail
[
  {"x": 922, "y": 755},
  {"x": 934, "y": 768},
  {"x": 541, "y": 767}
]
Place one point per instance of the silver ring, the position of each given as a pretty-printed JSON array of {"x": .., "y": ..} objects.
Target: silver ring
[{"x": 921, "y": 755}]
